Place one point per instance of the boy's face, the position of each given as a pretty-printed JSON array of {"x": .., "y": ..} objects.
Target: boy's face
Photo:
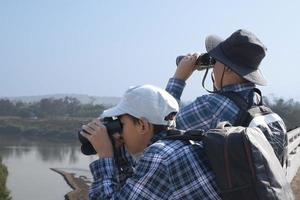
[{"x": 135, "y": 136}]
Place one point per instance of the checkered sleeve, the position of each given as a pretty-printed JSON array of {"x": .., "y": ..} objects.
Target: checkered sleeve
[
  {"x": 197, "y": 115},
  {"x": 150, "y": 174},
  {"x": 175, "y": 87},
  {"x": 104, "y": 179}
]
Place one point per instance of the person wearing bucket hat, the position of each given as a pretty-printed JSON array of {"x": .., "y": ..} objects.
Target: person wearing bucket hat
[
  {"x": 236, "y": 67},
  {"x": 162, "y": 167},
  {"x": 242, "y": 52}
]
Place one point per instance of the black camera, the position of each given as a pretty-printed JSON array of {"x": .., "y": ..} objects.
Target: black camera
[
  {"x": 203, "y": 62},
  {"x": 113, "y": 125}
]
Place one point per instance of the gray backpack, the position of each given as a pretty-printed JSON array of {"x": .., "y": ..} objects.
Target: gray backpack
[
  {"x": 243, "y": 161},
  {"x": 264, "y": 118}
]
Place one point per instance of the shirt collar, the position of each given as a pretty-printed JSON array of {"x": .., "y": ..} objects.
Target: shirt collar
[
  {"x": 158, "y": 136},
  {"x": 239, "y": 87}
]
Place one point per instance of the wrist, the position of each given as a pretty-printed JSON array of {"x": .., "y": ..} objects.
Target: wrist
[
  {"x": 183, "y": 73},
  {"x": 181, "y": 77}
]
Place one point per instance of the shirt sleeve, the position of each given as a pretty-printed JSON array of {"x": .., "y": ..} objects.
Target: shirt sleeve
[
  {"x": 150, "y": 181},
  {"x": 196, "y": 115},
  {"x": 199, "y": 114},
  {"x": 175, "y": 88}
]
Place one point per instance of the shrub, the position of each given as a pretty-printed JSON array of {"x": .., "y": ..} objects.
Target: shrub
[{"x": 4, "y": 194}]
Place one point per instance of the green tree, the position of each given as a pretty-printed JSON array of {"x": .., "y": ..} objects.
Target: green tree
[
  {"x": 7, "y": 108},
  {"x": 289, "y": 110},
  {"x": 72, "y": 106}
]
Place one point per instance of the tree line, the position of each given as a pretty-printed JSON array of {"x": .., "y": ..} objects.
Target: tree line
[
  {"x": 289, "y": 109},
  {"x": 50, "y": 107}
]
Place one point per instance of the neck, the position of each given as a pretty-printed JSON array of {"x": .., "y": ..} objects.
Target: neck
[
  {"x": 234, "y": 81},
  {"x": 231, "y": 78}
]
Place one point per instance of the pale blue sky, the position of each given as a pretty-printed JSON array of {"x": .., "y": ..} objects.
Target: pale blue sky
[{"x": 101, "y": 48}]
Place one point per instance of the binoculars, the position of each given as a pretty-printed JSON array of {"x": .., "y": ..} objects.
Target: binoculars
[
  {"x": 113, "y": 125},
  {"x": 203, "y": 62}
]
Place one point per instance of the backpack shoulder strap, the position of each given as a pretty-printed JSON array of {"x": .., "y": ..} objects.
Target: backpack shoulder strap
[
  {"x": 247, "y": 110},
  {"x": 237, "y": 99},
  {"x": 195, "y": 135},
  {"x": 243, "y": 115}
]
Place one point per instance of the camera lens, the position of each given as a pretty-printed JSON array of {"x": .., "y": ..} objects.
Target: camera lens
[{"x": 113, "y": 125}]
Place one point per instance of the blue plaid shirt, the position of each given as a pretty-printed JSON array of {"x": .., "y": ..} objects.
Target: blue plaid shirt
[
  {"x": 207, "y": 110},
  {"x": 168, "y": 169}
]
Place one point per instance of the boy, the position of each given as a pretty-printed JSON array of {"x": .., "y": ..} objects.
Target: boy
[{"x": 165, "y": 169}]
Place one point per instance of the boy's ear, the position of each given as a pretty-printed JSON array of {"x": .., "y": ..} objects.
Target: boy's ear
[{"x": 145, "y": 126}]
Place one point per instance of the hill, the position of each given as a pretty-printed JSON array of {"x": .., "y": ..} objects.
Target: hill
[{"x": 84, "y": 99}]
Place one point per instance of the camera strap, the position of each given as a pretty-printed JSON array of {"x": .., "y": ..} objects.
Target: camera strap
[{"x": 203, "y": 81}]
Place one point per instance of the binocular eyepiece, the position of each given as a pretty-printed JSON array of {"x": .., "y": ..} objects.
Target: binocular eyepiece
[
  {"x": 203, "y": 62},
  {"x": 113, "y": 125}
]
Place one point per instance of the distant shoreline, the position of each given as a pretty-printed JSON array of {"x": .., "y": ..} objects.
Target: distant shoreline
[{"x": 52, "y": 129}]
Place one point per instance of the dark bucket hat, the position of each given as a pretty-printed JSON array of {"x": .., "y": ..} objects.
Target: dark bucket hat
[{"x": 242, "y": 52}]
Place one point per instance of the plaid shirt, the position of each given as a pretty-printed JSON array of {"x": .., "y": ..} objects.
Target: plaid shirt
[
  {"x": 168, "y": 169},
  {"x": 207, "y": 110}
]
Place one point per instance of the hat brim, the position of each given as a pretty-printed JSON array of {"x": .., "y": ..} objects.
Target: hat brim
[
  {"x": 212, "y": 41},
  {"x": 252, "y": 75},
  {"x": 114, "y": 111}
]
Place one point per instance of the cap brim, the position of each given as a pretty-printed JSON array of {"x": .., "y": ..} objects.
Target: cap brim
[
  {"x": 212, "y": 41},
  {"x": 114, "y": 111},
  {"x": 254, "y": 76}
]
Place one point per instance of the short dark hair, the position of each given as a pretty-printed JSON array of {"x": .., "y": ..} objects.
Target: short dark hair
[{"x": 157, "y": 128}]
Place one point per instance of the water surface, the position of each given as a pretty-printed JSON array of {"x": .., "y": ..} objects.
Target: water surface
[{"x": 29, "y": 166}]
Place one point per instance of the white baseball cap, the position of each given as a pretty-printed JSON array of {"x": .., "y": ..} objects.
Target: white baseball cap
[{"x": 147, "y": 101}]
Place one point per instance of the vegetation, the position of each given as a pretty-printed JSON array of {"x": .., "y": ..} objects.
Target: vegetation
[
  {"x": 4, "y": 194},
  {"x": 60, "y": 129},
  {"x": 45, "y": 108},
  {"x": 289, "y": 110},
  {"x": 52, "y": 119}
]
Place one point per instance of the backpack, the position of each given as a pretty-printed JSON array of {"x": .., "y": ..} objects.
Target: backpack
[
  {"x": 243, "y": 161},
  {"x": 264, "y": 118}
]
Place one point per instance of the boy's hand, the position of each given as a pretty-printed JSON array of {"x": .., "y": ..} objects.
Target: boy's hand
[{"x": 99, "y": 138}]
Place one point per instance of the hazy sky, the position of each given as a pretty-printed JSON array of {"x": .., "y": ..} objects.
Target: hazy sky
[{"x": 101, "y": 48}]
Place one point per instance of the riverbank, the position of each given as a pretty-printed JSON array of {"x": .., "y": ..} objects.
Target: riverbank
[
  {"x": 78, "y": 184},
  {"x": 52, "y": 129}
]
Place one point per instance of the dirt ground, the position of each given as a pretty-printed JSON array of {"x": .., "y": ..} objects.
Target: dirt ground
[
  {"x": 296, "y": 185},
  {"x": 79, "y": 185}
]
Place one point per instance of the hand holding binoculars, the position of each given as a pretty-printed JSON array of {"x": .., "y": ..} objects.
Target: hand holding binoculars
[{"x": 203, "y": 62}]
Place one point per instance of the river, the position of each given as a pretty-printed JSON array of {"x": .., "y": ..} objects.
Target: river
[{"x": 29, "y": 163}]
